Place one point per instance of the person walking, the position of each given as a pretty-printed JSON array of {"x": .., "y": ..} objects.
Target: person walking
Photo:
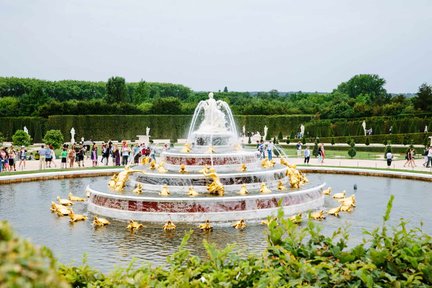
[
  {"x": 270, "y": 150},
  {"x": 412, "y": 157},
  {"x": 53, "y": 156},
  {"x": 429, "y": 155},
  {"x": 307, "y": 155},
  {"x": 389, "y": 158},
  {"x": 125, "y": 151},
  {"x": 105, "y": 154},
  {"x": 71, "y": 156},
  {"x": 42, "y": 153},
  {"x": 48, "y": 157},
  {"x": 22, "y": 155},
  {"x": 321, "y": 153},
  {"x": 407, "y": 158},
  {"x": 12, "y": 156},
  {"x": 299, "y": 148},
  {"x": 94, "y": 155},
  {"x": 64, "y": 155},
  {"x": 116, "y": 156}
]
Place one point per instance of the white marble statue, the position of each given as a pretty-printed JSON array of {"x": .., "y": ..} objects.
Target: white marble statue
[
  {"x": 302, "y": 130},
  {"x": 147, "y": 131},
  {"x": 364, "y": 127},
  {"x": 72, "y": 132},
  {"x": 26, "y": 130},
  {"x": 265, "y": 132},
  {"x": 426, "y": 129},
  {"x": 214, "y": 119},
  {"x": 244, "y": 130}
]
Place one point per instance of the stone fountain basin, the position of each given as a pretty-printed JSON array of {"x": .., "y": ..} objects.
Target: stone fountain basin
[{"x": 198, "y": 209}]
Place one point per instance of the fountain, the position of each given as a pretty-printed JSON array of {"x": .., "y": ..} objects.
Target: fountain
[{"x": 211, "y": 178}]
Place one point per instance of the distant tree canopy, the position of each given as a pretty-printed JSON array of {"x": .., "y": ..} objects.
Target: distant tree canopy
[
  {"x": 423, "y": 98},
  {"x": 116, "y": 90},
  {"x": 361, "y": 96}
]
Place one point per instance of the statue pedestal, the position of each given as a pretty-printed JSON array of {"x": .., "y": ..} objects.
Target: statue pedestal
[{"x": 144, "y": 139}]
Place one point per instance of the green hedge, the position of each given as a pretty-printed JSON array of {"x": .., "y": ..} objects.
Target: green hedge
[
  {"x": 35, "y": 125},
  {"x": 379, "y": 125},
  {"x": 417, "y": 138},
  {"x": 117, "y": 127}
]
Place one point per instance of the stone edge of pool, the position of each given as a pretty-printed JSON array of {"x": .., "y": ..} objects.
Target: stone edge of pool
[{"x": 10, "y": 179}]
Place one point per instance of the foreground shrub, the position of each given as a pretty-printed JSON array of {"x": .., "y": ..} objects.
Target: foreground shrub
[
  {"x": 23, "y": 265},
  {"x": 54, "y": 138}
]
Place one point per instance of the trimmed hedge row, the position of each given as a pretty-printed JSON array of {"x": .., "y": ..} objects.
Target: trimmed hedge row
[
  {"x": 117, "y": 127},
  {"x": 379, "y": 125},
  {"x": 416, "y": 138}
]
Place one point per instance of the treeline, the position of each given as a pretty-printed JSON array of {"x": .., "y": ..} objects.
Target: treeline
[{"x": 361, "y": 96}]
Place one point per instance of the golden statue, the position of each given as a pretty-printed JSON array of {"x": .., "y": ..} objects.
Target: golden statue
[
  {"x": 138, "y": 189},
  {"x": 122, "y": 178},
  {"x": 296, "y": 178},
  {"x": 216, "y": 187},
  {"x": 153, "y": 165},
  {"x": 161, "y": 168},
  {"x": 182, "y": 169},
  {"x": 187, "y": 148},
  {"x": 211, "y": 150},
  {"x": 243, "y": 190},
  {"x": 281, "y": 186},
  {"x": 243, "y": 168},
  {"x": 205, "y": 169},
  {"x": 263, "y": 189},
  {"x": 192, "y": 192},
  {"x": 145, "y": 160},
  {"x": 165, "y": 191}
]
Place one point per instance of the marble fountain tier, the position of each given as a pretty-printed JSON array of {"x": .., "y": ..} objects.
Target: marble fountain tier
[{"x": 211, "y": 178}]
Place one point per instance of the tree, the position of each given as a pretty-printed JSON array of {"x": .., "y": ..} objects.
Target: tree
[
  {"x": 367, "y": 142},
  {"x": 116, "y": 90},
  {"x": 1, "y": 138},
  {"x": 423, "y": 98},
  {"x": 304, "y": 140},
  {"x": 332, "y": 141},
  {"x": 315, "y": 149},
  {"x": 275, "y": 141},
  {"x": 352, "y": 151},
  {"x": 366, "y": 84},
  {"x": 387, "y": 149},
  {"x": 280, "y": 136},
  {"x": 21, "y": 138},
  {"x": 54, "y": 138},
  {"x": 225, "y": 89}
]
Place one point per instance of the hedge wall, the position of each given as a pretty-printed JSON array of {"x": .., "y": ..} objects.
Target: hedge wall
[
  {"x": 35, "y": 125},
  {"x": 117, "y": 127},
  {"x": 379, "y": 125},
  {"x": 417, "y": 138}
]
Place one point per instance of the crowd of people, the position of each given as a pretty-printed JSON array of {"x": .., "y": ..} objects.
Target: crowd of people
[
  {"x": 72, "y": 156},
  {"x": 10, "y": 156},
  {"x": 122, "y": 153}
]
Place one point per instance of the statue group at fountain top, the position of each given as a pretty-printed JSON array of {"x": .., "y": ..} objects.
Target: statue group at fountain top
[{"x": 217, "y": 122}]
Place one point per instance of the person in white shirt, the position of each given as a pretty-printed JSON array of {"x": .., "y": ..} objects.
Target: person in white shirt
[
  {"x": 307, "y": 155},
  {"x": 389, "y": 157},
  {"x": 270, "y": 150}
]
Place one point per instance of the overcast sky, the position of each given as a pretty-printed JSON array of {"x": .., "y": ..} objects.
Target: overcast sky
[{"x": 246, "y": 45}]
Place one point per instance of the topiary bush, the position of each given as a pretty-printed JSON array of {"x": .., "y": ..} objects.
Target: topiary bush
[
  {"x": 54, "y": 138},
  {"x": 352, "y": 151},
  {"x": 21, "y": 138}
]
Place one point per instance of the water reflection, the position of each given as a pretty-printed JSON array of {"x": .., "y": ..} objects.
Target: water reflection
[{"x": 26, "y": 206}]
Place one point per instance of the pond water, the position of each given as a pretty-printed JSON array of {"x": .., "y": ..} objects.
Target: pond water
[{"x": 26, "y": 207}]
